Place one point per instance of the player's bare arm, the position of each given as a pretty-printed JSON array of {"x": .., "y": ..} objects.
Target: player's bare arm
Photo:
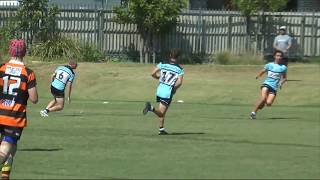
[
  {"x": 33, "y": 95},
  {"x": 155, "y": 74},
  {"x": 69, "y": 85},
  {"x": 283, "y": 80},
  {"x": 53, "y": 76},
  {"x": 260, "y": 73},
  {"x": 178, "y": 83}
]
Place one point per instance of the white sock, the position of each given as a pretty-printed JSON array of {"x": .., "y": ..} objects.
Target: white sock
[{"x": 161, "y": 129}]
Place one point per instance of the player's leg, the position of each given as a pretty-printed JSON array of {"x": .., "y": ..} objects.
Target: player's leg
[
  {"x": 58, "y": 106},
  {"x": 270, "y": 99},
  {"x": 161, "y": 113},
  {"x": 7, "y": 166},
  {"x": 45, "y": 111},
  {"x": 51, "y": 103},
  {"x": 260, "y": 102},
  {"x": 8, "y": 148}
]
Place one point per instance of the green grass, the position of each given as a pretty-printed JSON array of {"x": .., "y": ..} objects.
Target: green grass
[{"x": 212, "y": 136}]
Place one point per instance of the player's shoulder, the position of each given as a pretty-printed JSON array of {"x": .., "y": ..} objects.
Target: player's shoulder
[
  {"x": 28, "y": 70},
  {"x": 270, "y": 64},
  {"x": 284, "y": 67},
  {"x": 177, "y": 65},
  {"x": 66, "y": 68}
]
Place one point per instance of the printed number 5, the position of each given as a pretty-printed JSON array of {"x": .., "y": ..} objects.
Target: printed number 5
[{"x": 8, "y": 88}]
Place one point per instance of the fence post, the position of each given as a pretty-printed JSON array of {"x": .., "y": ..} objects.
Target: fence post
[
  {"x": 314, "y": 35},
  {"x": 263, "y": 33},
  {"x": 229, "y": 32},
  {"x": 302, "y": 36},
  {"x": 203, "y": 37},
  {"x": 99, "y": 29}
]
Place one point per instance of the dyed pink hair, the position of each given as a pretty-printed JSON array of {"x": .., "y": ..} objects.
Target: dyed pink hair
[{"x": 17, "y": 48}]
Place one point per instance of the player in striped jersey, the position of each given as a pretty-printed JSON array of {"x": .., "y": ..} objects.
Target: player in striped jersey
[
  {"x": 62, "y": 77},
  {"x": 170, "y": 79},
  {"x": 17, "y": 85},
  {"x": 276, "y": 77}
]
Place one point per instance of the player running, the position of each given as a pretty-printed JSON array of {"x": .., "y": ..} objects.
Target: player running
[
  {"x": 17, "y": 85},
  {"x": 62, "y": 77},
  {"x": 170, "y": 79},
  {"x": 276, "y": 77}
]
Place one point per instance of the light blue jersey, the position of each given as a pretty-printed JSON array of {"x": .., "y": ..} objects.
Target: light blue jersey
[
  {"x": 64, "y": 74},
  {"x": 169, "y": 74},
  {"x": 274, "y": 72}
]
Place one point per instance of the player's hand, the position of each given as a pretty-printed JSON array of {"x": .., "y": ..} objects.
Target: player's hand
[{"x": 174, "y": 90}]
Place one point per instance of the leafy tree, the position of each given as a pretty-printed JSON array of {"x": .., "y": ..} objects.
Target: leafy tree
[
  {"x": 249, "y": 7},
  {"x": 36, "y": 18},
  {"x": 152, "y": 17}
]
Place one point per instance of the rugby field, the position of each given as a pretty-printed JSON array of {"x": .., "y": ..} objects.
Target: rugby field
[{"x": 103, "y": 134}]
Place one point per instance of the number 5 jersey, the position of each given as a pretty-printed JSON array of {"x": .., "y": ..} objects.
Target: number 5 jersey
[
  {"x": 169, "y": 74},
  {"x": 15, "y": 80}
]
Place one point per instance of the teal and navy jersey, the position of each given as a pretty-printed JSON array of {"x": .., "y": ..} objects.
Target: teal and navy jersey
[
  {"x": 63, "y": 74},
  {"x": 274, "y": 72},
  {"x": 169, "y": 74}
]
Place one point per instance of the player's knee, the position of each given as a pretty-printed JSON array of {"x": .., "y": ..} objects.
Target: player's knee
[
  {"x": 60, "y": 107},
  {"x": 8, "y": 145},
  {"x": 269, "y": 103}
]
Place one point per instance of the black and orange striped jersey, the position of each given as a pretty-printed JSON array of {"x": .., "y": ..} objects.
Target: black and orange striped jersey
[{"x": 15, "y": 80}]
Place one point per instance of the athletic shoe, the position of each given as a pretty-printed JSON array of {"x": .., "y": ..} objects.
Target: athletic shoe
[
  {"x": 163, "y": 133},
  {"x": 44, "y": 113},
  {"x": 147, "y": 108},
  {"x": 253, "y": 116}
]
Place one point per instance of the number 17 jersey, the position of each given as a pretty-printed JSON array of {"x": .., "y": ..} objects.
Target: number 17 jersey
[
  {"x": 169, "y": 74},
  {"x": 63, "y": 74}
]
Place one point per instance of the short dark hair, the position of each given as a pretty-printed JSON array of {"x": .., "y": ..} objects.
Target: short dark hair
[
  {"x": 277, "y": 51},
  {"x": 72, "y": 62},
  {"x": 175, "y": 53}
]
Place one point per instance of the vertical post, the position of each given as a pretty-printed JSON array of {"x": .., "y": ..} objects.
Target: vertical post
[
  {"x": 199, "y": 22},
  {"x": 229, "y": 32},
  {"x": 314, "y": 35},
  {"x": 248, "y": 34},
  {"x": 302, "y": 35},
  {"x": 99, "y": 29},
  {"x": 263, "y": 33},
  {"x": 203, "y": 37}
]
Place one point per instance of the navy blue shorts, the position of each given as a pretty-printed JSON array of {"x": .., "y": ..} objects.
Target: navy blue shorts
[
  {"x": 10, "y": 134},
  {"x": 57, "y": 93},
  {"x": 270, "y": 89},
  {"x": 166, "y": 101}
]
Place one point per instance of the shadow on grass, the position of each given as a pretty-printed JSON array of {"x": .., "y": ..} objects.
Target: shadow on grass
[
  {"x": 266, "y": 143},
  {"x": 40, "y": 149},
  {"x": 283, "y": 118},
  {"x": 186, "y": 133},
  {"x": 293, "y": 80}
]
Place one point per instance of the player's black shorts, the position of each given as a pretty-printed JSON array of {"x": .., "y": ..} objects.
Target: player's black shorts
[
  {"x": 166, "y": 101},
  {"x": 57, "y": 93},
  {"x": 14, "y": 132},
  {"x": 270, "y": 89}
]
